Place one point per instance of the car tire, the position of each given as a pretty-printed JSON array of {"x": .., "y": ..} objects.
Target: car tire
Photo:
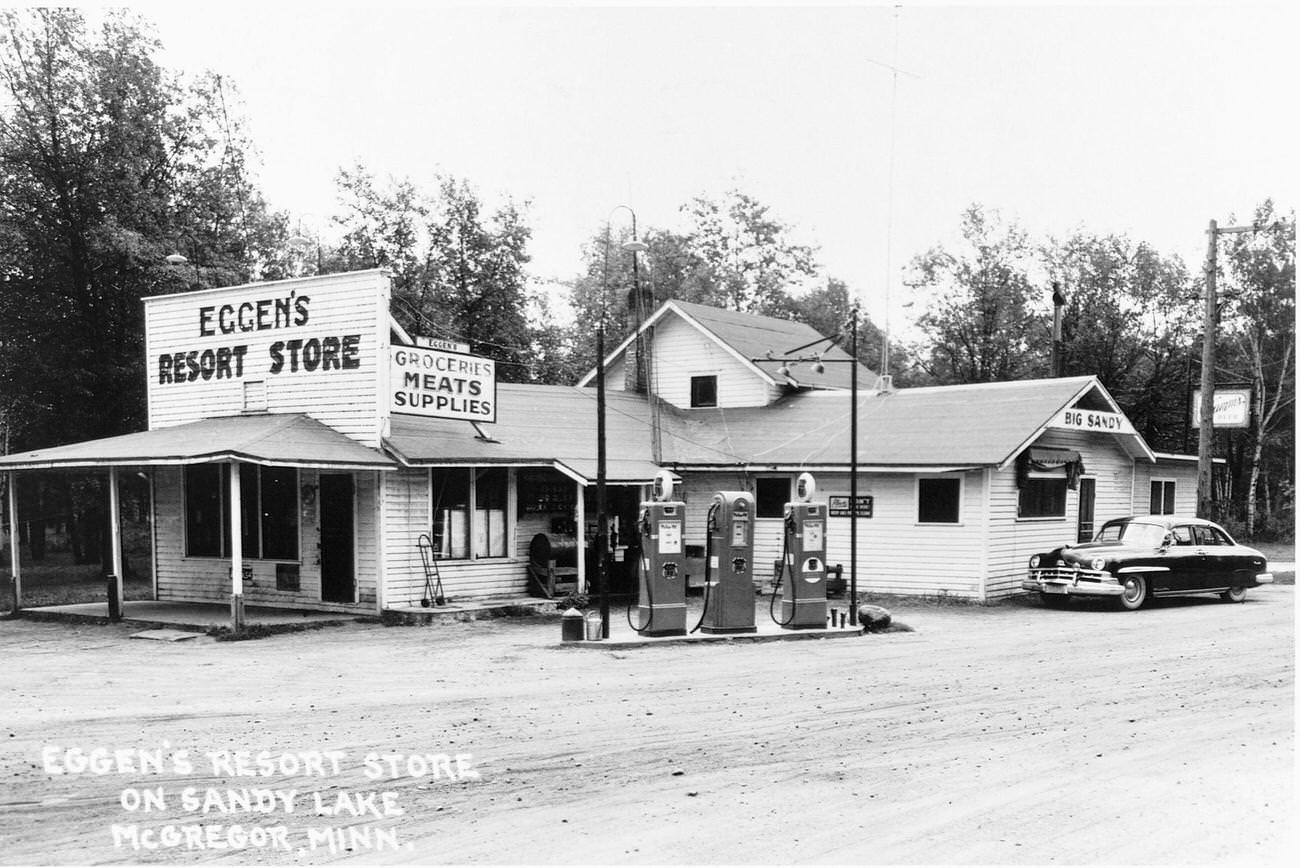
[
  {"x": 1054, "y": 601},
  {"x": 1135, "y": 593},
  {"x": 1234, "y": 595}
]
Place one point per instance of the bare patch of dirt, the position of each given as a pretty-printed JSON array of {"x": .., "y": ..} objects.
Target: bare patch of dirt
[{"x": 990, "y": 735}]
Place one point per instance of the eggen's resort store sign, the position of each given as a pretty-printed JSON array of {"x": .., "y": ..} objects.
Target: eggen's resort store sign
[{"x": 443, "y": 384}]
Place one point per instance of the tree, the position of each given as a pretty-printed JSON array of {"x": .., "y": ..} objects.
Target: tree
[
  {"x": 978, "y": 320},
  {"x": 458, "y": 274},
  {"x": 1130, "y": 322},
  {"x": 107, "y": 164},
  {"x": 1259, "y": 334}
]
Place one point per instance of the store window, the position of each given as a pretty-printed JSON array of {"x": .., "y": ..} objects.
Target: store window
[
  {"x": 1162, "y": 496},
  {"x": 704, "y": 391},
  {"x": 771, "y": 494},
  {"x": 490, "y": 513},
  {"x": 938, "y": 500},
  {"x": 268, "y": 511},
  {"x": 451, "y": 511},
  {"x": 1042, "y": 497},
  {"x": 459, "y": 531}
]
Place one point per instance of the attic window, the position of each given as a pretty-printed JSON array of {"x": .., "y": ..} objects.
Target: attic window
[{"x": 704, "y": 391}]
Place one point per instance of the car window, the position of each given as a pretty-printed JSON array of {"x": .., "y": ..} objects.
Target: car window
[
  {"x": 1109, "y": 533},
  {"x": 1141, "y": 534},
  {"x": 1210, "y": 536},
  {"x": 1182, "y": 535}
]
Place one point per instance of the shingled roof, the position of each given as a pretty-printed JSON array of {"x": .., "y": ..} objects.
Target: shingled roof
[
  {"x": 551, "y": 426},
  {"x": 977, "y": 425}
]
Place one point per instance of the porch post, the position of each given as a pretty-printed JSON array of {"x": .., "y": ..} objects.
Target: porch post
[
  {"x": 15, "y": 579},
  {"x": 115, "y": 547},
  {"x": 236, "y": 550},
  {"x": 580, "y": 515}
]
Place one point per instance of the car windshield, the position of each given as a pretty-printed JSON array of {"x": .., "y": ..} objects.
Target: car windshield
[{"x": 1134, "y": 533}]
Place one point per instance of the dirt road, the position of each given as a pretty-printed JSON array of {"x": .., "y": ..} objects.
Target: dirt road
[{"x": 1010, "y": 734}]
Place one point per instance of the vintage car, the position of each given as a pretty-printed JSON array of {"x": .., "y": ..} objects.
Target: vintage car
[{"x": 1139, "y": 557}]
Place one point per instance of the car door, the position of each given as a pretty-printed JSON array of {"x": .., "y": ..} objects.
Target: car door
[
  {"x": 1216, "y": 556},
  {"x": 1183, "y": 559}
]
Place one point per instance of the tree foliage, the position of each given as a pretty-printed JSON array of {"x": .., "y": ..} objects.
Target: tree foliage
[
  {"x": 977, "y": 317},
  {"x": 458, "y": 272},
  {"x": 1129, "y": 322},
  {"x": 1258, "y": 348},
  {"x": 107, "y": 164}
]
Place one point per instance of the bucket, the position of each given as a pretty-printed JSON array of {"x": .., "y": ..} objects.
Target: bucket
[
  {"x": 593, "y": 627},
  {"x": 571, "y": 626}
]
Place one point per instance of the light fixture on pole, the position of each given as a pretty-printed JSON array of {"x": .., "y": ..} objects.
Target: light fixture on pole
[
  {"x": 602, "y": 508},
  {"x": 819, "y": 363}
]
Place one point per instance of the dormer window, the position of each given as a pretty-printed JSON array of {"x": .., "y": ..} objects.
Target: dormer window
[{"x": 704, "y": 391}]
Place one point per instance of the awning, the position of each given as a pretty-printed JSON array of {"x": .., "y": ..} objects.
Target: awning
[
  {"x": 280, "y": 439},
  {"x": 1043, "y": 458},
  {"x": 1049, "y": 458}
]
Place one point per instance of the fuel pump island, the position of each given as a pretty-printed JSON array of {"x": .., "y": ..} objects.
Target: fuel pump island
[{"x": 729, "y": 587}]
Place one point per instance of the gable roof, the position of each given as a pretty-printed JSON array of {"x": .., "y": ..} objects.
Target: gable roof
[
  {"x": 280, "y": 439},
  {"x": 545, "y": 426},
  {"x": 977, "y": 425},
  {"x": 748, "y": 336}
]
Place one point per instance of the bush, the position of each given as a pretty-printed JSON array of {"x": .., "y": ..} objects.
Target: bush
[{"x": 581, "y": 602}]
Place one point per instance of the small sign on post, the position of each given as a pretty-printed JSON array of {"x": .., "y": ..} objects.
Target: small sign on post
[
  {"x": 1231, "y": 408},
  {"x": 837, "y": 506}
]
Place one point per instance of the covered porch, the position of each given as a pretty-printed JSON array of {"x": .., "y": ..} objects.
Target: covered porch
[{"x": 267, "y": 502}]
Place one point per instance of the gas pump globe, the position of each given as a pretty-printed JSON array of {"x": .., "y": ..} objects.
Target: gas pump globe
[
  {"x": 661, "y": 606},
  {"x": 729, "y": 604},
  {"x": 803, "y": 596}
]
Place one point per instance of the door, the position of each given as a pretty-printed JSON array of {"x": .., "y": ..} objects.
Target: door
[
  {"x": 338, "y": 575},
  {"x": 1087, "y": 506}
]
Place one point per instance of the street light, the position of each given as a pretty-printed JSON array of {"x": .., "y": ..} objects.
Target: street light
[
  {"x": 602, "y": 517},
  {"x": 819, "y": 365}
]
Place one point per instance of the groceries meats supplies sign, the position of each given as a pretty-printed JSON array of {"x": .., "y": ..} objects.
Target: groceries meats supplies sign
[{"x": 443, "y": 384}]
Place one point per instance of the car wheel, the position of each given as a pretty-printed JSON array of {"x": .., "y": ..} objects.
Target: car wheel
[
  {"x": 1054, "y": 601},
  {"x": 1135, "y": 593},
  {"x": 1233, "y": 595}
]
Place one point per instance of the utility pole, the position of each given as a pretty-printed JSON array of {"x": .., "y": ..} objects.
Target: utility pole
[
  {"x": 1205, "y": 443},
  {"x": 1058, "y": 301}
]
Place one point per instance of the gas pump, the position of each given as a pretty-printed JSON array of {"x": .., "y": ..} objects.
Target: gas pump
[
  {"x": 729, "y": 564},
  {"x": 803, "y": 560},
  {"x": 661, "y": 606}
]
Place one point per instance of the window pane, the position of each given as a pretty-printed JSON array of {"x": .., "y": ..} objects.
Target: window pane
[
  {"x": 203, "y": 514},
  {"x": 771, "y": 494},
  {"x": 939, "y": 500},
  {"x": 490, "y": 504},
  {"x": 450, "y": 512},
  {"x": 1042, "y": 497},
  {"x": 704, "y": 391},
  {"x": 280, "y": 513}
]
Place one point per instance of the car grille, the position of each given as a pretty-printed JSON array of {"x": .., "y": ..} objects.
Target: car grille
[{"x": 1068, "y": 574}]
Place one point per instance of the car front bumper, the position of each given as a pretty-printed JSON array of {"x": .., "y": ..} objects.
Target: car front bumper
[{"x": 1063, "y": 581}]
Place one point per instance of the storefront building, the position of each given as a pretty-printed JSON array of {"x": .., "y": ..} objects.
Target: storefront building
[{"x": 300, "y": 413}]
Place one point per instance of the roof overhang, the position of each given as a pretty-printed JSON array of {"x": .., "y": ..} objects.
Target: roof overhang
[
  {"x": 273, "y": 439},
  {"x": 1128, "y": 438}
]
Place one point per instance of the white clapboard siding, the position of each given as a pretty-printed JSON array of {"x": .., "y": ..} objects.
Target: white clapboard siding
[
  {"x": 1013, "y": 540},
  {"x": 347, "y": 400},
  {"x": 896, "y": 554},
  {"x": 681, "y": 351},
  {"x": 615, "y": 375},
  {"x": 1181, "y": 473},
  {"x": 407, "y": 515},
  {"x": 185, "y": 579}
]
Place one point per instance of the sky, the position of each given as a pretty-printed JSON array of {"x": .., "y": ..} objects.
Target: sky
[{"x": 1143, "y": 121}]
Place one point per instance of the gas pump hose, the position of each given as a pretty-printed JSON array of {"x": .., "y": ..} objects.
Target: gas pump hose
[
  {"x": 794, "y": 585},
  {"x": 644, "y": 564},
  {"x": 708, "y": 561}
]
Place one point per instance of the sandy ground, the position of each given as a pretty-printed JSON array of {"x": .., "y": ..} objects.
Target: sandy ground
[{"x": 1010, "y": 734}]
